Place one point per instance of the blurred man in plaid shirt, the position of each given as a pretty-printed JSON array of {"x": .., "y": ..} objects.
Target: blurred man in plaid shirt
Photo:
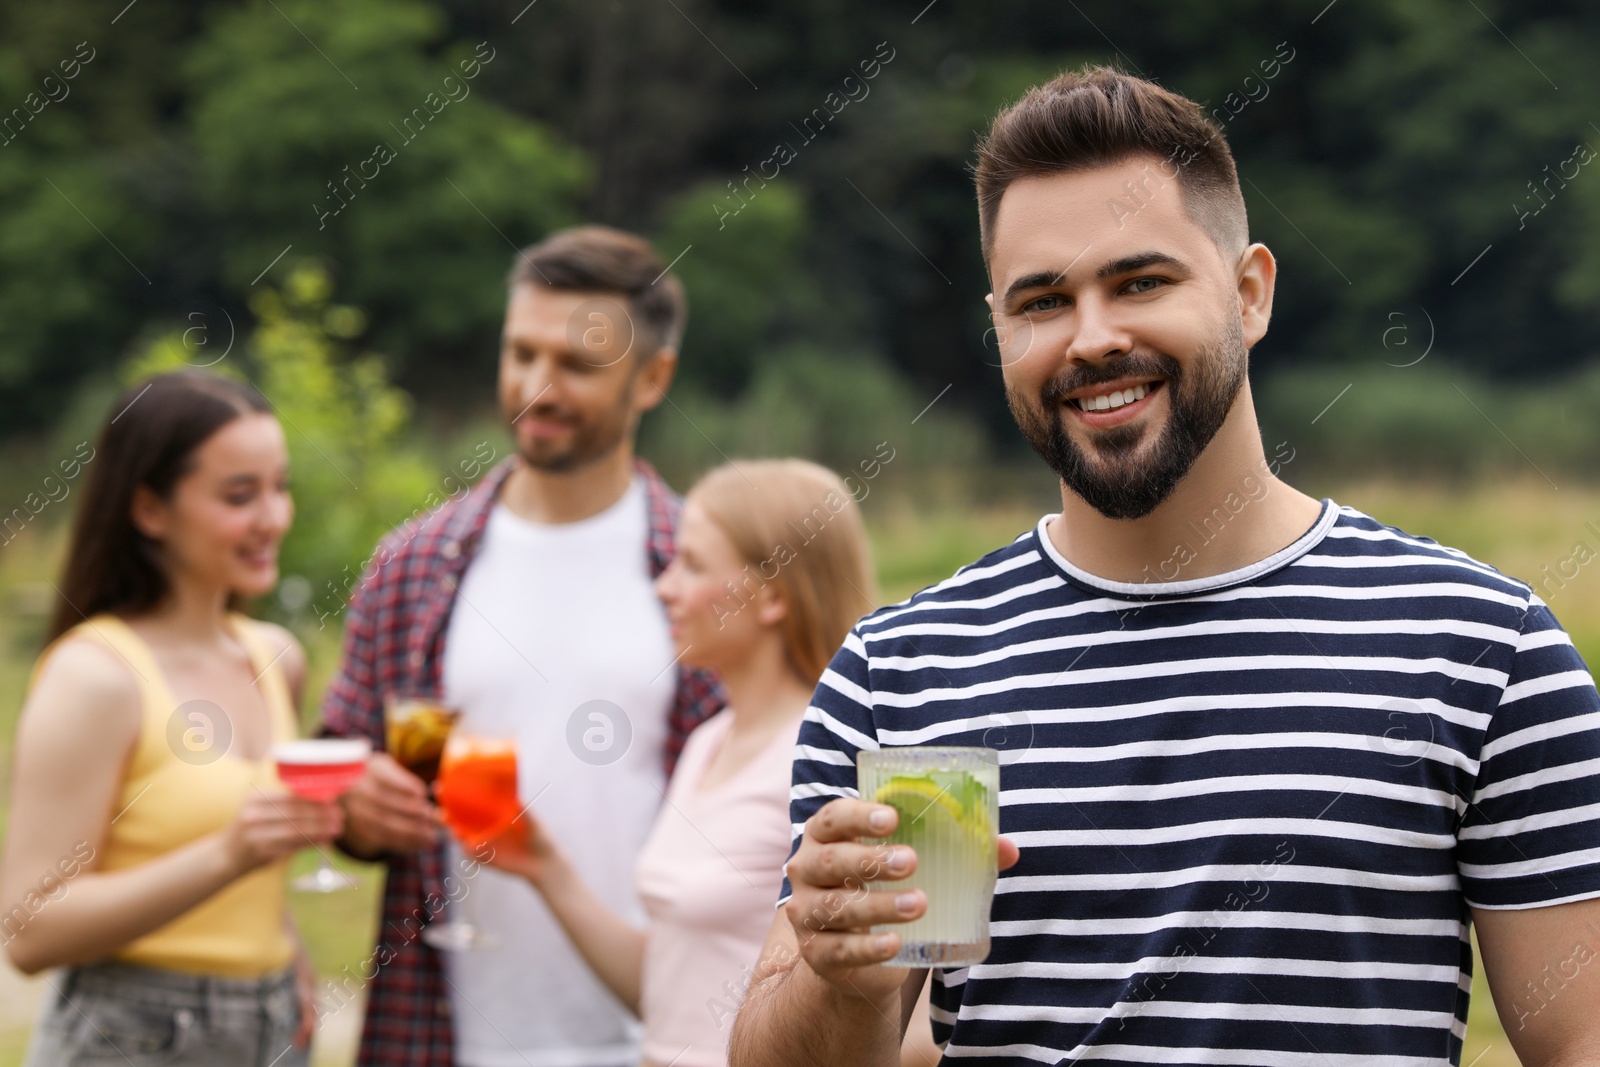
[{"x": 529, "y": 604}]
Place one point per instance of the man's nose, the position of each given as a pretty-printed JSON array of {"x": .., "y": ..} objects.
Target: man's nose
[
  {"x": 1099, "y": 332},
  {"x": 538, "y": 383}
]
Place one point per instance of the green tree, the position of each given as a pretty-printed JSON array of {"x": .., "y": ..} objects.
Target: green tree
[
  {"x": 70, "y": 239},
  {"x": 739, "y": 265},
  {"x": 359, "y": 133},
  {"x": 1400, "y": 142}
]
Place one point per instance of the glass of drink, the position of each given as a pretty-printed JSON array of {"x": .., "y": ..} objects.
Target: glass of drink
[
  {"x": 415, "y": 730},
  {"x": 322, "y": 768},
  {"x": 949, "y": 804},
  {"x": 477, "y": 793}
]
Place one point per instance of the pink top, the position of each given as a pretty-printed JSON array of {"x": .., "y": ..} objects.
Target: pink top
[{"x": 709, "y": 878}]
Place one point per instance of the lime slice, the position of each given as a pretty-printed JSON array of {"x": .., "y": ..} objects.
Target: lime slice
[{"x": 924, "y": 804}]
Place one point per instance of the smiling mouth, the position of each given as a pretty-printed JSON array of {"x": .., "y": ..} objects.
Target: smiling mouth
[
  {"x": 543, "y": 427},
  {"x": 1112, "y": 399}
]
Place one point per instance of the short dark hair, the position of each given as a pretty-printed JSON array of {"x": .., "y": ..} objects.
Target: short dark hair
[
  {"x": 601, "y": 259},
  {"x": 150, "y": 438},
  {"x": 1098, "y": 117}
]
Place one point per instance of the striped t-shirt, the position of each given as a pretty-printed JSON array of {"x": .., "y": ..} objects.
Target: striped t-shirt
[{"x": 1253, "y": 808}]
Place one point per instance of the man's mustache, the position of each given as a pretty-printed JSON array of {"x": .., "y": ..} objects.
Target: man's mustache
[{"x": 1136, "y": 365}]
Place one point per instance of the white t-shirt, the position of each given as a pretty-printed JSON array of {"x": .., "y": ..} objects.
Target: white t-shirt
[{"x": 548, "y": 619}]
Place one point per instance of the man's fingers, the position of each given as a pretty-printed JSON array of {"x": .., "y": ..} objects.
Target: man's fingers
[
  {"x": 400, "y": 832},
  {"x": 372, "y": 796},
  {"x": 838, "y": 909},
  {"x": 409, "y": 808},
  {"x": 399, "y": 819},
  {"x": 386, "y": 770},
  {"x": 830, "y": 951},
  {"x": 850, "y": 864},
  {"x": 404, "y": 829},
  {"x": 845, "y": 819}
]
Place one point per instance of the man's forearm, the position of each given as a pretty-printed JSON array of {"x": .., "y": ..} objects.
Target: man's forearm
[{"x": 792, "y": 1018}]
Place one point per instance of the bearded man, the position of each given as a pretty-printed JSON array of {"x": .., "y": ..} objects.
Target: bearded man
[{"x": 1267, "y": 760}]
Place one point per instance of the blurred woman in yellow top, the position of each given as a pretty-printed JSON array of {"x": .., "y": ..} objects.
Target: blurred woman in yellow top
[{"x": 148, "y": 832}]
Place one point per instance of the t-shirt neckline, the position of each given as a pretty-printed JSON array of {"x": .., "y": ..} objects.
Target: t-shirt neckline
[
  {"x": 697, "y": 792},
  {"x": 1189, "y": 587},
  {"x": 630, "y": 502}
]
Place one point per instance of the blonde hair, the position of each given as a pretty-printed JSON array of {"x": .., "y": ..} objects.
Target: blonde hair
[{"x": 798, "y": 529}]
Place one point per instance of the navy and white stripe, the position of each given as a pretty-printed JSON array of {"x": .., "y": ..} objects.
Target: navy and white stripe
[{"x": 1253, "y": 809}]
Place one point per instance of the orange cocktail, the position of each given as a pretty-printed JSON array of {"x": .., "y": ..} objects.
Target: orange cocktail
[{"x": 477, "y": 787}]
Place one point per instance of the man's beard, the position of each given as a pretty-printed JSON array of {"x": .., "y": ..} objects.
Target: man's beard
[
  {"x": 1116, "y": 483},
  {"x": 591, "y": 441}
]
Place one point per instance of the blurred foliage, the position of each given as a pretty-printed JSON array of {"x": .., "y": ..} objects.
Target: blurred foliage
[
  {"x": 849, "y": 411},
  {"x": 743, "y": 277},
  {"x": 202, "y": 142},
  {"x": 355, "y": 468},
  {"x": 1399, "y": 142},
  {"x": 1426, "y": 418},
  {"x": 288, "y": 149}
]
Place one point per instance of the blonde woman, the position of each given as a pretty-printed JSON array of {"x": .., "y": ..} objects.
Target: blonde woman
[{"x": 772, "y": 571}]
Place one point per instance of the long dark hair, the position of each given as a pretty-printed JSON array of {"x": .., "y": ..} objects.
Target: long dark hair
[{"x": 149, "y": 439}]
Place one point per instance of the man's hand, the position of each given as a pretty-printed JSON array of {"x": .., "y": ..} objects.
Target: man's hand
[
  {"x": 832, "y": 910},
  {"x": 389, "y": 810},
  {"x": 836, "y": 1003}
]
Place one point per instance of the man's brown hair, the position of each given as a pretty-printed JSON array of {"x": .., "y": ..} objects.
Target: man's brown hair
[
  {"x": 1098, "y": 117},
  {"x": 603, "y": 260}
]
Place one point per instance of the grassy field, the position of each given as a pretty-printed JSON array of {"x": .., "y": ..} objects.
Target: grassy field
[{"x": 1520, "y": 527}]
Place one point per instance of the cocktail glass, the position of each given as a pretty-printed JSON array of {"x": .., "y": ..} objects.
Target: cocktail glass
[
  {"x": 416, "y": 729},
  {"x": 949, "y": 804},
  {"x": 324, "y": 769},
  {"x": 477, "y": 793}
]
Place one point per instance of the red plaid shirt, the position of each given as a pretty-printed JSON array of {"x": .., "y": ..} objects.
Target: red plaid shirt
[{"x": 394, "y": 642}]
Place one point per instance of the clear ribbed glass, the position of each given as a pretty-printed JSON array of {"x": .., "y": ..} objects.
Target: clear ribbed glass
[{"x": 949, "y": 803}]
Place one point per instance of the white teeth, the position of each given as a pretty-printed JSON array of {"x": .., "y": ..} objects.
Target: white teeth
[{"x": 1111, "y": 401}]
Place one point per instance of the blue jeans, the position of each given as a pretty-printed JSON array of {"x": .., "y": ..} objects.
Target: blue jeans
[{"x": 117, "y": 1013}]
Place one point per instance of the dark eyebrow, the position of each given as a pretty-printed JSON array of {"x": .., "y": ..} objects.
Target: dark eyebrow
[
  {"x": 1138, "y": 261},
  {"x": 1036, "y": 280},
  {"x": 1124, "y": 265}
]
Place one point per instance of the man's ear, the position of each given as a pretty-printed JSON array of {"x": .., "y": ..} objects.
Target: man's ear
[
  {"x": 148, "y": 513},
  {"x": 655, "y": 378},
  {"x": 1256, "y": 277}
]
